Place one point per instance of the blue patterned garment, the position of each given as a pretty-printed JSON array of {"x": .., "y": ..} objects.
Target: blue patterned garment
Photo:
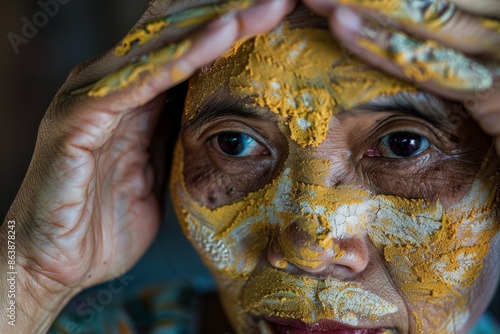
[
  {"x": 486, "y": 325},
  {"x": 166, "y": 309},
  {"x": 162, "y": 309}
]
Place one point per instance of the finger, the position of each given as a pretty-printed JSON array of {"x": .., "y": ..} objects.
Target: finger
[
  {"x": 427, "y": 63},
  {"x": 487, "y": 8},
  {"x": 250, "y": 22},
  {"x": 484, "y": 107},
  {"x": 176, "y": 21},
  {"x": 430, "y": 65},
  {"x": 97, "y": 109},
  {"x": 184, "y": 19},
  {"x": 439, "y": 20}
]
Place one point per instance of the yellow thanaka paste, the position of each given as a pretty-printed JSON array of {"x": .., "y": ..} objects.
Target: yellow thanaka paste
[
  {"x": 490, "y": 24},
  {"x": 300, "y": 74},
  {"x": 433, "y": 254},
  {"x": 232, "y": 237},
  {"x": 428, "y": 60},
  {"x": 141, "y": 36},
  {"x": 188, "y": 18},
  {"x": 130, "y": 73},
  {"x": 433, "y": 14},
  {"x": 283, "y": 74}
]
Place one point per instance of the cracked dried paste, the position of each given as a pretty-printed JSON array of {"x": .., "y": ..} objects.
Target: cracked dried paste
[{"x": 434, "y": 255}]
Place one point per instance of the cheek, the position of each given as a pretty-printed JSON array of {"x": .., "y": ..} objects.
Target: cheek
[
  {"x": 484, "y": 287},
  {"x": 434, "y": 177},
  {"x": 230, "y": 237},
  {"x": 214, "y": 181},
  {"x": 437, "y": 257},
  {"x": 447, "y": 181}
]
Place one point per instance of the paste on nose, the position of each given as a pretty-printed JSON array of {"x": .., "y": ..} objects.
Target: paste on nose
[
  {"x": 302, "y": 246},
  {"x": 306, "y": 242}
]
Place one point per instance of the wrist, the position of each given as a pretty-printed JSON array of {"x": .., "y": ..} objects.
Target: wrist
[{"x": 28, "y": 304}]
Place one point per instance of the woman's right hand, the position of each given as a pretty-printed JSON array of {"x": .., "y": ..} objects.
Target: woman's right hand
[{"x": 86, "y": 210}]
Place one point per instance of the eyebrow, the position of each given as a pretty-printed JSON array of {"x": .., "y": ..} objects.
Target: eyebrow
[
  {"x": 218, "y": 106},
  {"x": 421, "y": 105}
]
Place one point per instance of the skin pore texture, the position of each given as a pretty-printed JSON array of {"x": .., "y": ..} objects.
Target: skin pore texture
[{"x": 309, "y": 231}]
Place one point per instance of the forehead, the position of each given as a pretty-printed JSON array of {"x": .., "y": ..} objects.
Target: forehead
[{"x": 297, "y": 72}]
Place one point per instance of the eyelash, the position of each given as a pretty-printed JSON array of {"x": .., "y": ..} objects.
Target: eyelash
[
  {"x": 396, "y": 125},
  {"x": 386, "y": 127},
  {"x": 247, "y": 142}
]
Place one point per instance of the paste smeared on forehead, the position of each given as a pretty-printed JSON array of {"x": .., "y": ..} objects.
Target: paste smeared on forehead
[{"x": 300, "y": 74}]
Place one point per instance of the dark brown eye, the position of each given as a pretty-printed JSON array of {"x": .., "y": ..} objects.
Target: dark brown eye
[
  {"x": 402, "y": 145},
  {"x": 238, "y": 144}
]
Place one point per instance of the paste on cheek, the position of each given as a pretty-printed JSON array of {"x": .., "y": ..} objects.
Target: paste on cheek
[
  {"x": 433, "y": 255},
  {"x": 436, "y": 256},
  {"x": 233, "y": 238},
  {"x": 300, "y": 74}
]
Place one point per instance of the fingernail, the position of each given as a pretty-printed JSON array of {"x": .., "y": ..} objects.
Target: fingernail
[
  {"x": 127, "y": 75},
  {"x": 348, "y": 18}
]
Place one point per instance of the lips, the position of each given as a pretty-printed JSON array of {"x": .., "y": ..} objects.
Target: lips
[{"x": 292, "y": 326}]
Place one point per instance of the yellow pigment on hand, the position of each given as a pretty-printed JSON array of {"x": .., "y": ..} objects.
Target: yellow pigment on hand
[
  {"x": 490, "y": 24},
  {"x": 424, "y": 61},
  {"x": 188, "y": 18},
  {"x": 421, "y": 242},
  {"x": 140, "y": 36},
  {"x": 130, "y": 73},
  {"x": 433, "y": 14}
]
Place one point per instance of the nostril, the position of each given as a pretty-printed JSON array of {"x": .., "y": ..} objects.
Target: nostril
[
  {"x": 352, "y": 253},
  {"x": 275, "y": 257},
  {"x": 291, "y": 249}
]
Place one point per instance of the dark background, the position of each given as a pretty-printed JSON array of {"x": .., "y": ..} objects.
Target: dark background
[{"x": 30, "y": 77}]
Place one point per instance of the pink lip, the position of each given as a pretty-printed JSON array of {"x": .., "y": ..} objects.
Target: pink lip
[{"x": 294, "y": 326}]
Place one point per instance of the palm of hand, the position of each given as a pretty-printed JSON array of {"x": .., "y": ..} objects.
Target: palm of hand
[{"x": 96, "y": 213}]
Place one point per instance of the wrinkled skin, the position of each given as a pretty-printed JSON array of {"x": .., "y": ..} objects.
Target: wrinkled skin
[
  {"x": 77, "y": 210},
  {"x": 243, "y": 201}
]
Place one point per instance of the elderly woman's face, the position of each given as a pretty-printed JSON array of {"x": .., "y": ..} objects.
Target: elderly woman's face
[{"x": 327, "y": 197}]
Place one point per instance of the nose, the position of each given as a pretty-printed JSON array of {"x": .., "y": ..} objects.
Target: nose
[{"x": 303, "y": 245}]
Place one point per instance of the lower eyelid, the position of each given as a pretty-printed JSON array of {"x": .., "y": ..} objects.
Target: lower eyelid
[
  {"x": 425, "y": 144},
  {"x": 212, "y": 140}
]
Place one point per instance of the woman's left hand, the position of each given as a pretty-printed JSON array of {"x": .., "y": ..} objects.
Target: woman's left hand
[{"x": 451, "y": 48}]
